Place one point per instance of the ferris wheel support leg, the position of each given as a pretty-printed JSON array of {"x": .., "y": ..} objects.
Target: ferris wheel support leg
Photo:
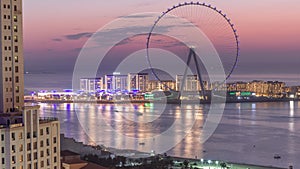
[
  {"x": 199, "y": 74},
  {"x": 185, "y": 73}
]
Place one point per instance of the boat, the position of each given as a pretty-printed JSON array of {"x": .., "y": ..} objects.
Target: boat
[{"x": 277, "y": 156}]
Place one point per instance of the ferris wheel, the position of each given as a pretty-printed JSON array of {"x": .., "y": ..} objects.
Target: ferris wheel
[{"x": 212, "y": 22}]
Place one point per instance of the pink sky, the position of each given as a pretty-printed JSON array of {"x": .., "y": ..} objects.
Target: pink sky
[{"x": 268, "y": 29}]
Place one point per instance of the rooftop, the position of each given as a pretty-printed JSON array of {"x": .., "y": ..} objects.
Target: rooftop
[
  {"x": 68, "y": 153},
  {"x": 47, "y": 119}
]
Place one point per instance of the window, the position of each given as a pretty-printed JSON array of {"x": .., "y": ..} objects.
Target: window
[
  {"x": 2, "y": 137},
  {"x": 54, "y": 149},
  {"x": 13, "y": 136},
  {"x": 42, "y": 164},
  {"x": 16, "y": 49},
  {"x": 16, "y": 69},
  {"x": 17, "y": 79},
  {"x": 15, "y": 8},
  {"x": 17, "y": 99},
  {"x": 16, "y": 59},
  {"x": 21, "y": 147},
  {"x": 29, "y": 157},
  {"x": 41, "y": 132},
  {"x": 13, "y": 148},
  {"x": 42, "y": 143},
  {"x": 28, "y": 146},
  {"x": 47, "y": 142},
  {"x": 2, "y": 150},
  {"x": 16, "y": 38},
  {"x": 21, "y": 158},
  {"x": 35, "y": 155},
  {"x": 16, "y": 28},
  {"x": 20, "y": 135},
  {"x": 3, "y": 161},
  {"x": 47, "y": 130},
  {"x": 55, "y": 159},
  {"x": 54, "y": 140},
  {"x": 13, "y": 159},
  {"x": 34, "y": 134},
  {"x": 35, "y": 145},
  {"x": 17, "y": 89},
  {"x": 42, "y": 153},
  {"x": 15, "y": 18}
]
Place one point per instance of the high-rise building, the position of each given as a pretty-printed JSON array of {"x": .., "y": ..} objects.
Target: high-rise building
[
  {"x": 26, "y": 140},
  {"x": 116, "y": 82},
  {"x": 11, "y": 51},
  {"x": 138, "y": 81},
  {"x": 91, "y": 85}
]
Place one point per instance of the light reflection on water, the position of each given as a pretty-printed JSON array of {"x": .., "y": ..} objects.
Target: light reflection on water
[{"x": 248, "y": 132}]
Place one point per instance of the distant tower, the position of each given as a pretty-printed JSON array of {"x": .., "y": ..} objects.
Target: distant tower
[{"x": 11, "y": 51}]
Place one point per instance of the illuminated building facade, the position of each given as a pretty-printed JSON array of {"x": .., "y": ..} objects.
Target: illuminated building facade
[
  {"x": 138, "y": 81},
  {"x": 91, "y": 85},
  {"x": 191, "y": 83},
  {"x": 260, "y": 88},
  {"x": 116, "y": 82}
]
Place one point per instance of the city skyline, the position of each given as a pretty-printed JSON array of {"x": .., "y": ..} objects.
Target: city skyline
[{"x": 268, "y": 33}]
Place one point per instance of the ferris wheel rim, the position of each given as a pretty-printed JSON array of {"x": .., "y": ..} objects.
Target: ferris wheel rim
[{"x": 236, "y": 37}]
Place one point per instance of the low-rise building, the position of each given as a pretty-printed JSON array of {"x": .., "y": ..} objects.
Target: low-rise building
[{"x": 28, "y": 141}]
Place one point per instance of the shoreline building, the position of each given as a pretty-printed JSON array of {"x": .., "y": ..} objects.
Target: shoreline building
[
  {"x": 191, "y": 83},
  {"x": 26, "y": 140},
  {"x": 116, "y": 82},
  {"x": 138, "y": 81},
  {"x": 164, "y": 85},
  {"x": 273, "y": 89},
  {"x": 91, "y": 85}
]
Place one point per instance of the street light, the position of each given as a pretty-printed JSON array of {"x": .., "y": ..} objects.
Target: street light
[
  {"x": 202, "y": 160},
  {"x": 217, "y": 163},
  {"x": 209, "y": 162}
]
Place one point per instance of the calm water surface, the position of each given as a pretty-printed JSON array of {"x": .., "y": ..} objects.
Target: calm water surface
[{"x": 248, "y": 132}]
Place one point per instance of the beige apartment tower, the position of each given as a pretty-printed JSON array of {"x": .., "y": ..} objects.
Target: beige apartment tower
[
  {"x": 26, "y": 140},
  {"x": 12, "y": 69}
]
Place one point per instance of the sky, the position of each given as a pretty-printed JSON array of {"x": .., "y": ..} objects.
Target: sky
[{"x": 56, "y": 30}]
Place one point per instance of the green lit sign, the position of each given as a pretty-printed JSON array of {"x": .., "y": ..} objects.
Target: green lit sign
[{"x": 246, "y": 93}]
